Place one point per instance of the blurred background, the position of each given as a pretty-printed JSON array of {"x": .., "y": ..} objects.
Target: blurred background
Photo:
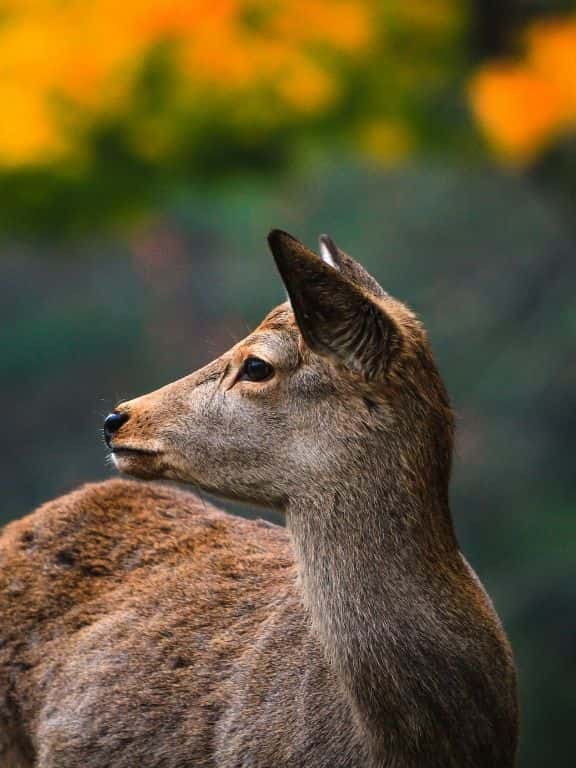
[{"x": 147, "y": 147}]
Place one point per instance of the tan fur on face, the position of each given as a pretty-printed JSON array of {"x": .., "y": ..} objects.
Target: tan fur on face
[{"x": 140, "y": 626}]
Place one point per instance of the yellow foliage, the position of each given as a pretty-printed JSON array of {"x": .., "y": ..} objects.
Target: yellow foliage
[
  {"x": 67, "y": 65},
  {"x": 27, "y": 128},
  {"x": 388, "y": 142},
  {"x": 346, "y": 25},
  {"x": 306, "y": 86},
  {"x": 552, "y": 53},
  {"x": 517, "y": 109},
  {"x": 84, "y": 56},
  {"x": 524, "y": 106}
]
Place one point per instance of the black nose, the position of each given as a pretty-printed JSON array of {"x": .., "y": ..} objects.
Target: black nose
[{"x": 112, "y": 424}]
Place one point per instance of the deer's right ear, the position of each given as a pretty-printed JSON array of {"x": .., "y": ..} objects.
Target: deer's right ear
[{"x": 336, "y": 317}]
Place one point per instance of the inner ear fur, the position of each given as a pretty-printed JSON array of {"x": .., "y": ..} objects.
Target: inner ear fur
[{"x": 336, "y": 316}]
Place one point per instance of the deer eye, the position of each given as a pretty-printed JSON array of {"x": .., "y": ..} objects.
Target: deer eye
[{"x": 255, "y": 369}]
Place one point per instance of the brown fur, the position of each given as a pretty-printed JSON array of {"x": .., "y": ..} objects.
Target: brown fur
[{"x": 142, "y": 627}]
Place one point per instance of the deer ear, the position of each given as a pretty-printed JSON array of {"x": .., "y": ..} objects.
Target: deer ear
[
  {"x": 349, "y": 268},
  {"x": 329, "y": 251},
  {"x": 337, "y": 318}
]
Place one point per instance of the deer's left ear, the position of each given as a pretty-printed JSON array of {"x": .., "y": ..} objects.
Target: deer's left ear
[{"x": 336, "y": 317}]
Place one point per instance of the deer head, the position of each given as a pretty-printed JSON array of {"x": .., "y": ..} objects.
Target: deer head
[{"x": 334, "y": 385}]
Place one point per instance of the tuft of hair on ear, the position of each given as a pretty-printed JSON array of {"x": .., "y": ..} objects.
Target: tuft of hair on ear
[
  {"x": 349, "y": 267},
  {"x": 329, "y": 251},
  {"x": 337, "y": 318}
]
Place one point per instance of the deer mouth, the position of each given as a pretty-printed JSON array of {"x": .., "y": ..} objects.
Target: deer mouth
[
  {"x": 141, "y": 462},
  {"x": 128, "y": 449}
]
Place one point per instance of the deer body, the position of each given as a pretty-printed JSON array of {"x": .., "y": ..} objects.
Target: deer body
[{"x": 141, "y": 627}]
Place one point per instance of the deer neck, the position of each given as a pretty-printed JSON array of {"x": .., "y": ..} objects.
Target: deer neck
[{"x": 368, "y": 558}]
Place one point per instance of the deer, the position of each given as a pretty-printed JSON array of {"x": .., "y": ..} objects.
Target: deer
[{"x": 142, "y": 626}]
